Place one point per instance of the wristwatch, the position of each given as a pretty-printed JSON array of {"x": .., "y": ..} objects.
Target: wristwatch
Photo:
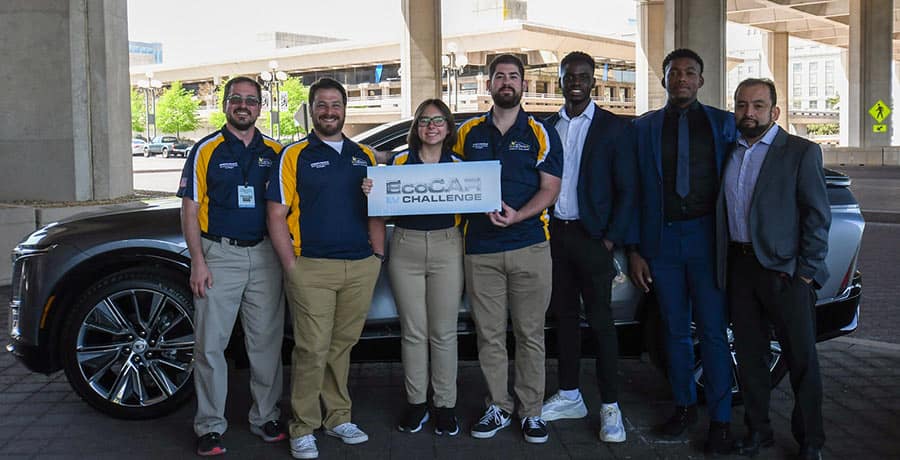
[{"x": 381, "y": 257}]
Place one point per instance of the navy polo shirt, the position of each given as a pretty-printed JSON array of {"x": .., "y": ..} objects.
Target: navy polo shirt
[
  {"x": 327, "y": 211},
  {"x": 214, "y": 169},
  {"x": 425, "y": 222},
  {"x": 527, "y": 149}
]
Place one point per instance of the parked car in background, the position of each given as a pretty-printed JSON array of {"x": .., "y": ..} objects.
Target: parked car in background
[
  {"x": 161, "y": 145},
  {"x": 138, "y": 146},
  {"x": 182, "y": 148},
  {"x": 106, "y": 298}
]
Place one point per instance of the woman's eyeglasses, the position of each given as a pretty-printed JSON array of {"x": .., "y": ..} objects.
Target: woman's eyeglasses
[{"x": 438, "y": 121}]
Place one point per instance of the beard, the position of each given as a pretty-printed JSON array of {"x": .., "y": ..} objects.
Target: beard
[
  {"x": 239, "y": 124},
  {"x": 752, "y": 131},
  {"x": 505, "y": 101},
  {"x": 326, "y": 131}
]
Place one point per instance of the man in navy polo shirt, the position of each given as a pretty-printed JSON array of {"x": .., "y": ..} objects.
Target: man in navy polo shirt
[
  {"x": 320, "y": 228},
  {"x": 233, "y": 266},
  {"x": 507, "y": 259}
]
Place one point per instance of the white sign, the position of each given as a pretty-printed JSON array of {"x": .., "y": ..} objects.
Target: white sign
[
  {"x": 283, "y": 101},
  {"x": 443, "y": 188}
]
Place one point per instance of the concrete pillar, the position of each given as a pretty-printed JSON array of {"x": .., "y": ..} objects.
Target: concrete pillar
[
  {"x": 844, "y": 106},
  {"x": 420, "y": 53},
  {"x": 775, "y": 62},
  {"x": 649, "y": 53},
  {"x": 870, "y": 58},
  {"x": 65, "y": 119},
  {"x": 532, "y": 85},
  {"x": 700, "y": 26}
]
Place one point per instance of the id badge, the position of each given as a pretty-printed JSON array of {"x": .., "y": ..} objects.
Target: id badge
[{"x": 246, "y": 197}]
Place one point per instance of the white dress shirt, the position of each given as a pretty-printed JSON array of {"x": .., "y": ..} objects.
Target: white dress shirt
[{"x": 572, "y": 133}]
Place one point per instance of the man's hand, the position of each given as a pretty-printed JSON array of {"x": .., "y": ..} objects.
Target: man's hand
[
  {"x": 367, "y": 185},
  {"x": 640, "y": 271},
  {"x": 609, "y": 244},
  {"x": 201, "y": 278},
  {"x": 504, "y": 218},
  {"x": 806, "y": 280}
]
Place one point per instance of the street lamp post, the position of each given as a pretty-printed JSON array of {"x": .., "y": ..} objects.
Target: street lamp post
[
  {"x": 272, "y": 80},
  {"x": 150, "y": 88},
  {"x": 453, "y": 63}
]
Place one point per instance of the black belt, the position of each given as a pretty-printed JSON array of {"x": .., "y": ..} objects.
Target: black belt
[
  {"x": 231, "y": 241},
  {"x": 741, "y": 248}
]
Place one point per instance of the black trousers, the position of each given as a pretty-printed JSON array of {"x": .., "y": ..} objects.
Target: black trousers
[
  {"x": 758, "y": 298},
  {"x": 583, "y": 269}
]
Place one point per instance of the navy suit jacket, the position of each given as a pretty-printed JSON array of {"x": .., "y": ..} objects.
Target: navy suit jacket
[
  {"x": 646, "y": 135},
  {"x": 607, "y": 180}
]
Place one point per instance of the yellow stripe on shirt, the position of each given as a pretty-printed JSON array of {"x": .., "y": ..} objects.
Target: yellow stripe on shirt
[
  {"x": 542, "y": 136},
  {"x": 460, "y": 147}
]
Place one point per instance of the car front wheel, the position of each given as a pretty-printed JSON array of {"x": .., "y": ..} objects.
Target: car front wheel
[{"x": 127, "y": 346}]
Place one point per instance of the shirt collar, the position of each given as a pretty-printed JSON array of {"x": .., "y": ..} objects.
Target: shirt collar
[
  {"x": 231, "y": 138},
  {"x": 767, "y": 138},
  {"x": 588, "y": 112},
  {"x": 520, "y": 123},
  {"x": 672, "y": 109}
]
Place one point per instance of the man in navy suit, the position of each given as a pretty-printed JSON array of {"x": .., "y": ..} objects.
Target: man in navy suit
[
  {"x": 591, "y": 217},
  {"x": 680, "y": 150}
]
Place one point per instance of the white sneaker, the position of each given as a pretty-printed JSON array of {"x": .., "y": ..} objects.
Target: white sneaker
[
  {"x": 304, "y": 447},
  {"x": 559, "y": 407},
  {"x": 611, "y": 427},
  {"x": 349, "y": 433}
]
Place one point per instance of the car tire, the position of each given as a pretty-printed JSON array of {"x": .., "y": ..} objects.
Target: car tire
[
  {"x": 146, "y": 152},
  {"x": 127, "y": 346},
  {"x": 165, "y": 152},
  {"x": 655, "y": 344}
]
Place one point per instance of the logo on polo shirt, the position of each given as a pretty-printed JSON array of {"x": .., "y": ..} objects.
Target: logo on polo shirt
[
  {"x": 228, "y": 165},
  {"x": 358, "y": 162},
  {"x": 480, "y": 145},
  {"x": 519, "y": 146},
  {"x": 264, "y": 163},
  {"x": 319, "y": 164}
]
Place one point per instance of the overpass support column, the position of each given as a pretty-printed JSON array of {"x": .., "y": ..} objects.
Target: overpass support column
[
  {"x": 665, "y": 25},
  {"x": 420, "y": 53},
  {"x": 65, "y": 119},
  {"x": 777, "y": 53},
  {"x": 869, "y": 70}
]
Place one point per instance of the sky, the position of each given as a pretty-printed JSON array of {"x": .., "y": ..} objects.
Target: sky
[{"x": 204, "y": 30}]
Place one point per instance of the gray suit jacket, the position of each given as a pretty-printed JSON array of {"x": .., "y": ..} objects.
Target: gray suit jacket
[{"x": 789, "y": 212}]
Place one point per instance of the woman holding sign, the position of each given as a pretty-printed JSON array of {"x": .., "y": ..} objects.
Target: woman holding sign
[{"x": 426, "y": 271}]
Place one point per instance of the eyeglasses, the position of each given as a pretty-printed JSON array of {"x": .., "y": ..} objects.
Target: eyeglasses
[
  {"x": 249, "y": 101},
  {"x": 438, "y": 121}
]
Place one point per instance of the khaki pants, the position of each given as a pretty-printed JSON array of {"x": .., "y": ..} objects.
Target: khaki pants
[
  {"x": 519, "y": 280},
  {"x": 329, "y": 300},
  {"x": 426, "y": 269},
  {"x": 249, "y": 280}
]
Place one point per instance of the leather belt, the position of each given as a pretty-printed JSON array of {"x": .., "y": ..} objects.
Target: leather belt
[
  {"x": 231, "y": 241},
  {"x": 741, "y": 248}
]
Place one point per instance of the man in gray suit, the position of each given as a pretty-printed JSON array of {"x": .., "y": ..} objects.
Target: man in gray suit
[{"x": 772, "y": 225}]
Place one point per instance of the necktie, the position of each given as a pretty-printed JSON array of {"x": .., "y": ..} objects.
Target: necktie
[{"x": 683, "y": 174}]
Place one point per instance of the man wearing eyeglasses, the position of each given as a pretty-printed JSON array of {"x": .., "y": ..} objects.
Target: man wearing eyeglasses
[
  {"x": 233, "y": 266},
  {"x": 331, "y": 252}
]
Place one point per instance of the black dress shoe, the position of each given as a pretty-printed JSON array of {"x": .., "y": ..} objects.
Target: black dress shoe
[
  {"x": 719, "y": 441},
  {"x": 750, "y": 445},
  {"x": 676, "y": 425},
  {"x": 810, "y": 453}
]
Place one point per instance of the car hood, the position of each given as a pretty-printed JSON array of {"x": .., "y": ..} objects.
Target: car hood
[{"x": 155, "y": 222}]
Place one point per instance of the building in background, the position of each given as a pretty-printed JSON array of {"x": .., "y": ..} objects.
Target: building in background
[{"x": 143, "y": 53}]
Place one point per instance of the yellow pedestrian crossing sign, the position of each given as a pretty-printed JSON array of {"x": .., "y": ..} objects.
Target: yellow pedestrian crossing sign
[
  {"x": 880, "y": 111},
  {"x": 879, "y": 128}
]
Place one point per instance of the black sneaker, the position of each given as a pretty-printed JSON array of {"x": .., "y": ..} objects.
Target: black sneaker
[
  {"x": 445, "y": 421},
  {"x": 493, "y": 420},
  {"x": 270, "y": 431},
  {"x": 678, "y": 423},
  {"x": 534, "y": 429},
  {"x": 414, "y": 418},
  {"x": 210, "y": 444}
]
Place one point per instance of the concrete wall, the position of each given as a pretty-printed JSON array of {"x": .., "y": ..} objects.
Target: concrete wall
[
  {"x": 65, "y": 116},
  {"x": 857, "y": 156}
]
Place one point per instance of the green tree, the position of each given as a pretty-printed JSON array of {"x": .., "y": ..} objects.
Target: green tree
[
  {"x": 138, "y": 112},
  {"x": 298, "y": 93},
  {"x": 176, "y": 110},
  {"x": 217, "y": 117}
]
